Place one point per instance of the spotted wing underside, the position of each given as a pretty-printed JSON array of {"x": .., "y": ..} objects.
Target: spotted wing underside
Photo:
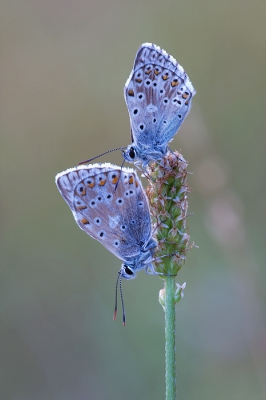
[
  {"x": 119, "y": 219},
  {"x": 158, "y": 95}
]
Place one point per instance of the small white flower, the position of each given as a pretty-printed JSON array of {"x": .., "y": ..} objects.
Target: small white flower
[{"x": 179, "y": 294}]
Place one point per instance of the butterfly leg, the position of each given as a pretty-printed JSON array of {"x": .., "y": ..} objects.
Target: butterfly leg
[
  {"x": 172, "y": 152},
  {"x": 149, "y": 269}
]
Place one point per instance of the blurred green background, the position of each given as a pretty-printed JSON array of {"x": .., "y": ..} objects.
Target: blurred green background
[{"x": 63, "y": 68}]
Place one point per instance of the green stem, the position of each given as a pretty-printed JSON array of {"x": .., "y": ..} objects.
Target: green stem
[
  {"x": 167, "y": 193},
  {"x": 170, "y": 356}
]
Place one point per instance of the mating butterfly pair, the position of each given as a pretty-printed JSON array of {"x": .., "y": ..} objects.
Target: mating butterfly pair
[{"x": 158, "y": 95}]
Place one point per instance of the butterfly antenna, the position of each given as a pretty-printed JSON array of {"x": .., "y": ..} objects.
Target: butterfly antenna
[
  {"x": 115, "y": 312},
  {"x": 122, "y": 301},
  {"x": 100, "y": 155},
  {"x": 119, "y": 279},
  {"x": 120, "y": 174}
]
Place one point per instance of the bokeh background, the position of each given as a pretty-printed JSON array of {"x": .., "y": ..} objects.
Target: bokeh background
[{"x": 63, "y": 68}]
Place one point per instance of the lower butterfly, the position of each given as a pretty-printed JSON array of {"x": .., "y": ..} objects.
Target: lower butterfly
[{"x": 117, "y": 216}]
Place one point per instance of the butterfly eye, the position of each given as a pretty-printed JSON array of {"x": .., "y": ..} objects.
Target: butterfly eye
[
  {"x": 127, "y": 270},
  {"x": 132, "y": 153}
]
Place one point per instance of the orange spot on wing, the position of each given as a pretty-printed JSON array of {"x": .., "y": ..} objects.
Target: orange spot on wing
[
  {"x": 165, "y": 77},
  {"x": 84, "y": 221},
  {"x": 80, "y": 208},
  {"x": 90, "y": 183},
  {"x": 148, "y": 70},
  {"x": 130, "y": 92},
  {"x": 102, "y": 182},
  {"x": 82, "y": 192},
  {"x": 185, "y": 95},
  {"x": 138, "y": 80},
  {"x": 131, "y": 180},
  {"x": 174, "y": 83},
  {"x": 156, "y": 71},
  {"x": 115, "y": 179}
]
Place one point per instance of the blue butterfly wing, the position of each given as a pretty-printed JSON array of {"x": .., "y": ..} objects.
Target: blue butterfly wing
[
  {"x": 158, "y": 95},
  {"x": 119, "y": 219}
]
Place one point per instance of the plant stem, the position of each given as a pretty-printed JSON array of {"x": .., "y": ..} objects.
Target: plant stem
[
  {"x": 167, "y": 193},
  {"x": 170, "y": 362}
]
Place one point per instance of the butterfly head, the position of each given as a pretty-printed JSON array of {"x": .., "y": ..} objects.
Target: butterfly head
[
  {"x": 134, "y": 154},
  {"x": 130, "y": 153},
  {"x": 137, "y": 155},
  {"x": 127, "y": 272}
]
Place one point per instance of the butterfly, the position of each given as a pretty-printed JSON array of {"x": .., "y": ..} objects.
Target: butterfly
[
  {"x": 158, "y": 94},
  {"x": 117, "y": 216}
]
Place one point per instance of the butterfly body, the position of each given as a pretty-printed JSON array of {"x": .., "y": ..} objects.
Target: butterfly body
[{"x": 158, "y": 94}]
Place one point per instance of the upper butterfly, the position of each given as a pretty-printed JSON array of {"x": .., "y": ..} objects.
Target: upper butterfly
[
  {"x": 119, "y": 219},
  {"x": 158, "y": 95}
]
